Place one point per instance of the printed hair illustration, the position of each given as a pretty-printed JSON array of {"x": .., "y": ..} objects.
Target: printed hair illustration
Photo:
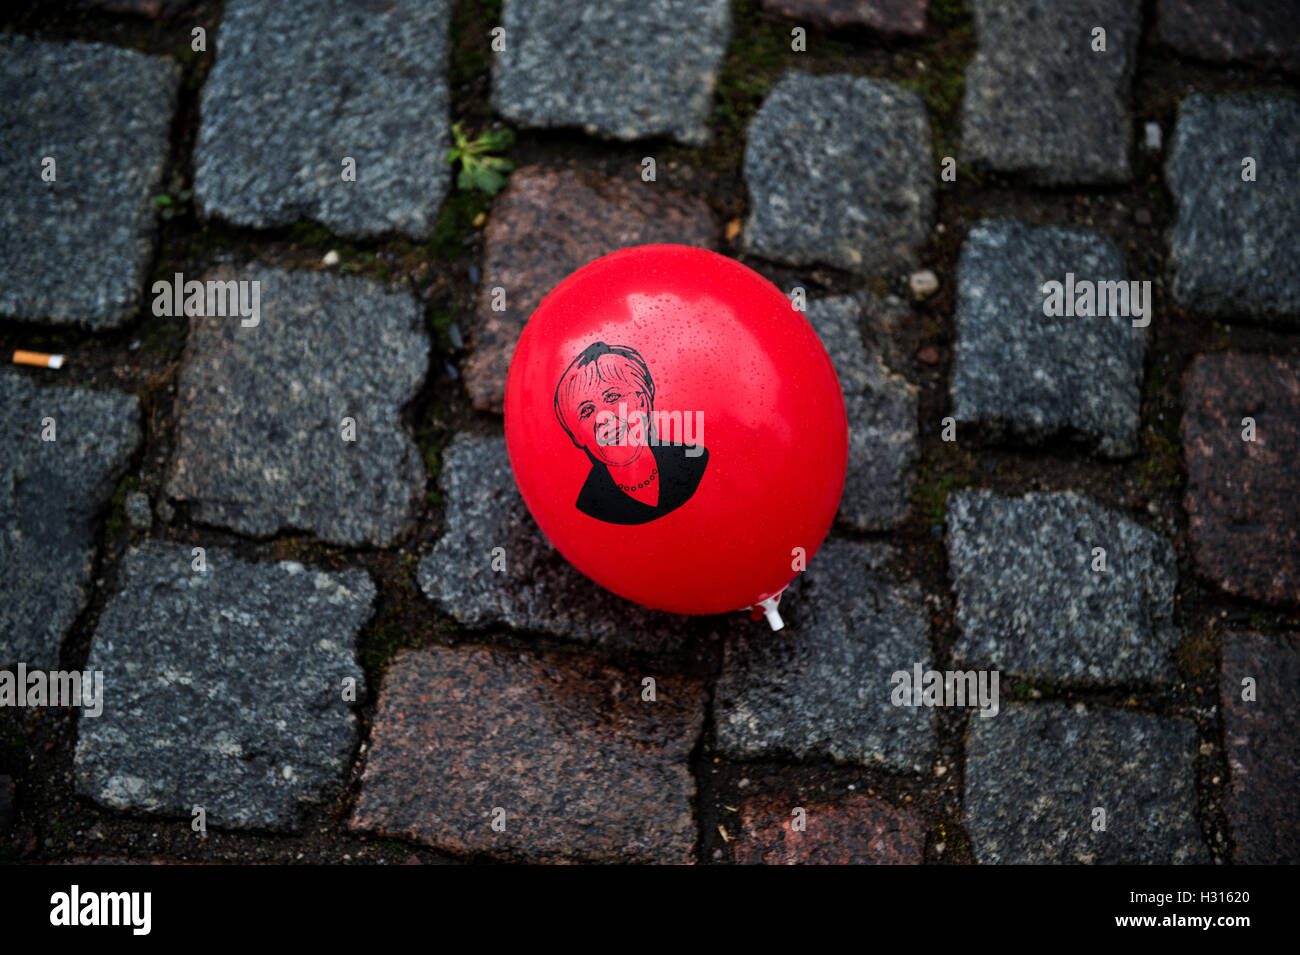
[{"x": 598, "y": 363}]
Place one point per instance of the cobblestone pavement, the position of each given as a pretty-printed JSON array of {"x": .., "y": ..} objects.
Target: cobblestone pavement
[{"x": 271, "y": 530}]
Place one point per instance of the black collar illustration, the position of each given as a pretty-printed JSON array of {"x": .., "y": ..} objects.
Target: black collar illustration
[{"x": 679, "y": 476}]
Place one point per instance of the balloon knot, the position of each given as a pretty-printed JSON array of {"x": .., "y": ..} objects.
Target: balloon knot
[{"x": 768, "y": 609}]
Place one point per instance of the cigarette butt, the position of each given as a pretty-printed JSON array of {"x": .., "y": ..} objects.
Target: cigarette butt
[{"x": 37, "y": 359}]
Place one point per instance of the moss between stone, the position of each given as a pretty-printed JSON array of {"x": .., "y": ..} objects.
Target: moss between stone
[
  {"x": 1263, "y": 622},
  {"x": 1197, "y": 656},
  {"x": 756, "y": 57},
  {"x": 383, "y": 643},
  {"x": 471, "y": 25},
  {"x": 1161, "y": 468},
  {"x": 930, "y": 495},
  {"x": 117, "y": 504},
  {"x": 941, "y": 83},
  {"x": 1024, "y": 690},
  {"x": 455, "y": 221},
  {"x": 312, "y": 234},
  {"x": 431, "y": 446}
]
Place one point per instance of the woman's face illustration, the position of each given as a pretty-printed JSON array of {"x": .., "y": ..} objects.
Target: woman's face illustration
[{"x": 611, "y": 421}]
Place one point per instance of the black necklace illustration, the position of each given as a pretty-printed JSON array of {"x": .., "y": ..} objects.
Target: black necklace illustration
[{"x": 646, "y": 482}]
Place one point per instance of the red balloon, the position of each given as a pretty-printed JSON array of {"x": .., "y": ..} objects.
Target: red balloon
[{"x": 677, "y": 429}]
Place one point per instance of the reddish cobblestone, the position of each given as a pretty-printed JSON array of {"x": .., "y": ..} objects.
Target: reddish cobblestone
[
  {"x": 546, "y": 225},
  {"x": 1264, "y": 32},
  {"x": 1243, "y": 497},
  {"x": 584, "y": 769},
  {"x": 855, "y": 830},
  {"x": 1263, "y": 745},
  {"x": 888, "y": 16}
]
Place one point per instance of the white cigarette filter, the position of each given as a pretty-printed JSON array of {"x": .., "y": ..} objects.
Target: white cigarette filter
[{"x": 37, "y": 359}]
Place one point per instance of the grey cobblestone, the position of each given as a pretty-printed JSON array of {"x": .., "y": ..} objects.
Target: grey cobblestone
[
  {"x": 261, "y": 411},
  {"x": 821, "y": 687},
  {"x": 51, "y": 493},
  {"x": 1040, "y": 101},
  {"x": 625, "y": 69},
  {"x": 296, "y": 88},
  {"x": 223, "y": 689},
  {"x": 839, "y": 172},
  {"x": 75, "y": 250},
  {"x": 1037, "y": 774},
  {"x": 1030, "y": 602}
]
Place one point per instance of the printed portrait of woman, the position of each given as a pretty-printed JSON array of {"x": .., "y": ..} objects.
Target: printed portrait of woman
[{"x": 605, "y": 402}]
